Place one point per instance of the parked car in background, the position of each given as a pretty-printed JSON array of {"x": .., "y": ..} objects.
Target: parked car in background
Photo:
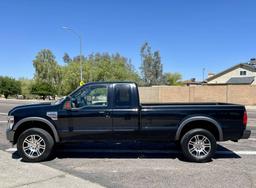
[{"x": 19, "y": 97}]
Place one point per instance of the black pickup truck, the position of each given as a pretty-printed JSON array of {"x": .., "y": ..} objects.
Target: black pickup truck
[{"x": 112, "y": 111}]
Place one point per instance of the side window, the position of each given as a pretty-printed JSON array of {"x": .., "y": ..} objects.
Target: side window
[
  {"x": 122, "y": 95},
  {"x": 91, "y": 96}
]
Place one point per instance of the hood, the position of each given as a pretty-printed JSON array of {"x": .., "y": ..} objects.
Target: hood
[{"x": 29, "y": 108}]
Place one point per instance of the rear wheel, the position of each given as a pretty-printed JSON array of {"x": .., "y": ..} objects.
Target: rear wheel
[
  {"x": 35, "y": 145},
  {"x": 198, "y": 145}
]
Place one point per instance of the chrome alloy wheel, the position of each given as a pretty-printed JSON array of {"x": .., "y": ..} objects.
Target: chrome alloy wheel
[
  {"x": 199, "y": 146},
  {"x": 33, "y": 146}
]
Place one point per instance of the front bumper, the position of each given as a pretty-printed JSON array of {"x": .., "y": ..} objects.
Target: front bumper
[
  {"x": 10, "y": 135},
  {"x": 246, "y": 134}
]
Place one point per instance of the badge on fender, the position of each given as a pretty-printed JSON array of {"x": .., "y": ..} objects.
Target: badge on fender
[{"x": 52, "y": 115}]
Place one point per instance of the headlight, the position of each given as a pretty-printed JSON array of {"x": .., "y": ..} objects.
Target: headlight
[{"x": 10, "y": 121}]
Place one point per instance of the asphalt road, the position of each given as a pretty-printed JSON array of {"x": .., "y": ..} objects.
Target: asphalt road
[{"x": 150, "y": 164}]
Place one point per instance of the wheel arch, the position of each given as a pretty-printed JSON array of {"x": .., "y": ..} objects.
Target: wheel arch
[
  {"x": 31, "y": 122},
  {"x": 200, "y": 122}
]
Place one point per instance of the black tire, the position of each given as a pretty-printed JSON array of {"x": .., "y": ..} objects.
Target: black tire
[
  {"x": 47, "y": 143},
  {"x": 192, "y": 151}
]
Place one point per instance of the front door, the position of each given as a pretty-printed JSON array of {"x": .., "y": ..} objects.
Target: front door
[{"x": 90, "y": 113}]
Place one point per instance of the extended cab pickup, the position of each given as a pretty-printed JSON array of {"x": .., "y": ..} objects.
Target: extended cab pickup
[{"x": 112, "y": 110}]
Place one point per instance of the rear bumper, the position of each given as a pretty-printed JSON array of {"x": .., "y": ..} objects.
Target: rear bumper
[
  {"x": 246, "y": 134},
  {"x": 10, "y": 135}
]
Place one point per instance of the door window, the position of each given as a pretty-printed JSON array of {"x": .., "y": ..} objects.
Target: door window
[
  {"x": 91, "y": 96},
  {"x": 123, "y": 96}
]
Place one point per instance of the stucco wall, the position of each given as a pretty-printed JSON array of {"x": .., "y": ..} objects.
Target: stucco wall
[{"x": 240, "y": 94}]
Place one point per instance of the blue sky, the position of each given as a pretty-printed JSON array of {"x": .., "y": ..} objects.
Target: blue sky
[{"x": 191, "y": 35}]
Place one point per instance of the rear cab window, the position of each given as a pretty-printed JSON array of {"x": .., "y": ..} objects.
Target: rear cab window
[{"x": 123, "y": 96}]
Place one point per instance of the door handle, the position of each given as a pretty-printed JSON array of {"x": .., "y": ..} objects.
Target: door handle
[{"x": 106, "y": 113}]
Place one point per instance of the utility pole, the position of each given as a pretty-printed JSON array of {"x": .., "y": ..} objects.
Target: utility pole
[{"x": 203, "y": 74}]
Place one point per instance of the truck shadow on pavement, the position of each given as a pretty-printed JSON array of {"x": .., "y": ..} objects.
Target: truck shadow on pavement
[{"x": 126, "y": 150}]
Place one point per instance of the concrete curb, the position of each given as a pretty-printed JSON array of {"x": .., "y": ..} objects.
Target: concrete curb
[{"x": 15, "y": 173}]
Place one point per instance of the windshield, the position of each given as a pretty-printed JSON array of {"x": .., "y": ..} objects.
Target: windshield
[{"x": 59, "y": 100}]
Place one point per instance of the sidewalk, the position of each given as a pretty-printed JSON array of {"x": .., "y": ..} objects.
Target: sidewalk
[{"x": 15, "y": 173}]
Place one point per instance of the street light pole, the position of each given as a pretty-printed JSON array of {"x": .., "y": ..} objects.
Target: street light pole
[
  {"x": 203, "y": 73},
  {"x": 80, "y": 39},
  {"x": 81, "y": 67}
]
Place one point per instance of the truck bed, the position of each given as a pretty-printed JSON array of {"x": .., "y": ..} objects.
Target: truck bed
[{"x": 189, "y": 104}]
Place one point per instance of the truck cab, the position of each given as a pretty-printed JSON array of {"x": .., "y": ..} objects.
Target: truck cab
[{"x": 100, "y": 111}]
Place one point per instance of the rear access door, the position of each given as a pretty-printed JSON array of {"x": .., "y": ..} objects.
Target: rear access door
[{"x": 125, "y": 112}]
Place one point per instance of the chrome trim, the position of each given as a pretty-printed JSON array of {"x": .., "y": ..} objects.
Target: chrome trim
[
  {"x": 199, "y": 146},
  {"x": 10, "y": 122},
  {"x": 33, "y": 146}
]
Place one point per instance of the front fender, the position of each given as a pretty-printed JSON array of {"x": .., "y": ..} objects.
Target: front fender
[{"x": 39, "y": 119}]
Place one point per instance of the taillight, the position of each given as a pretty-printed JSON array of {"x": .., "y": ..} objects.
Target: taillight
[{"x": 245, "y": 119}]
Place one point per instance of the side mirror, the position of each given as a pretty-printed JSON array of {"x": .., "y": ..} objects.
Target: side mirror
[{"x": 67, "y": 105}]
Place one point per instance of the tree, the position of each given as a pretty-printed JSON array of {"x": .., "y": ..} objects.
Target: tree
[
  {"x": 47, "y": 70},
  {"x": 77, "y": 58},
  {"x": 157, "y": 69},
  {"x": 151, "y": 67},
  {"x": 66, "y": 58},
  {"x": 9, "y": 86},
  {"x": 26, "y": 85},
  {"x": 42, "y": 89},
  {"x": 106, "y": 67},
  {"x": 71, "y": 77},
  {"x": 146, "y": 57},
  {"x": 172, "y": 78},
  {"x": 98, "y": 67}
]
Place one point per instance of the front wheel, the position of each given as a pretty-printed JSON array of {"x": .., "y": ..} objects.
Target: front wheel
[
  {"x": 198, "y": 145},
  {"x": 35, "y": 145}
]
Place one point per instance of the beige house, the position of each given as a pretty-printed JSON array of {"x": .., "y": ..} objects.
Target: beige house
[{"x": 244, "y": 73}]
